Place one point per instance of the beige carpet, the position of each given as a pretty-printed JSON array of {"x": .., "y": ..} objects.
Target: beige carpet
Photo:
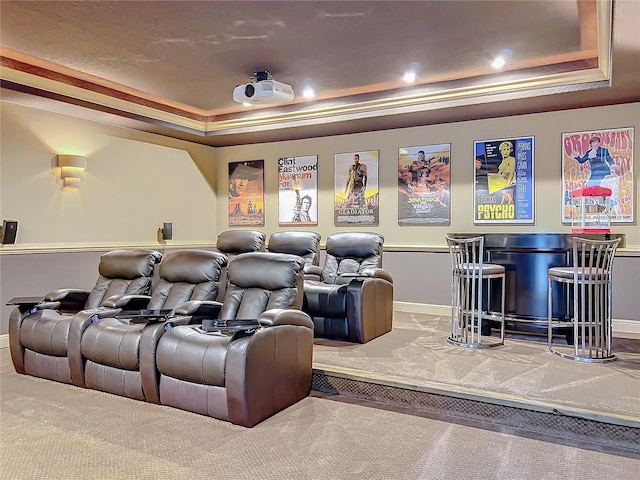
[
  {"x": 415, "y": 352},
  {"x": 55, "y": 431}
]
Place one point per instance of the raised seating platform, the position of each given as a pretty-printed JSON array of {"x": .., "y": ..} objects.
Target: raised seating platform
[{"x": 519, "y": 388}]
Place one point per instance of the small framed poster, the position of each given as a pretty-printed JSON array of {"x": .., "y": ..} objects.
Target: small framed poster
[
  {"x": 503, "y": 181},
  {"x": 603, "y": 158},
  {"x": 298, "y": 190},
  {"x": 424, "y": 185},
  {"x": 246, "y": 193},
  {"x": 356, "y": 188}
]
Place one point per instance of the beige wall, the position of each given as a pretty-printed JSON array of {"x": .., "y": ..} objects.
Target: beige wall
[
  {"x": 134, "y": 181},
  {"x": 545, "y": 127}
]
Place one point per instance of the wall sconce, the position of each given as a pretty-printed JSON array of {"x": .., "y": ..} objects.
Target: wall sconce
[{"x": 72, "y": 169}]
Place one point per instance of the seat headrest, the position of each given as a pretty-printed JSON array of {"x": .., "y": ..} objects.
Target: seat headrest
[
  {"x": 295, "y": 243},
  {"x": 128, "y": 264},
  {"x": 269, "y": 271},
  {"x": 241, "y": 241},
  {"x": 354, "y": 244},
  {"x": 192, "y": 266}
]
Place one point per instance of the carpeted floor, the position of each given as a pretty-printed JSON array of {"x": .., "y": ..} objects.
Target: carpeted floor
[
  {"x": 55, "y": 431},
  {"x": 416, "y": 353}
]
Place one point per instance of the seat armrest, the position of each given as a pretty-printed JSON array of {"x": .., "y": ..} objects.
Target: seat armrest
[
  {"x": 67, "y": 298},
  {"x": 67, "y": 295},
  {"x": 49, "y": 306},
  {"x": 127, "y": 302},
  {"x": 25, "y": 304},
  {"x": 378, "y": 273},
  {"x": 199, "y": 308},
  {"x": 355, "y": 275},
  {"x": 285, "y": 316},
  {"x": 312, "y": 271}
]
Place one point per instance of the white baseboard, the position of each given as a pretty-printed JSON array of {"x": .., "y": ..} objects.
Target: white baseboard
[
  {"x": 619, "y": 325},
  {"x": 425, "y": 308}
]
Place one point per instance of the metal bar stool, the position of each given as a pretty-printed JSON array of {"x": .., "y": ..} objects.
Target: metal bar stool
[
  {"x": 590, "y": 277},
  {"x": 469, "y": 273}
]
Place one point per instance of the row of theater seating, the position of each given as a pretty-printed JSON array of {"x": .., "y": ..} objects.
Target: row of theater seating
[{"x": 258, "y": 358}]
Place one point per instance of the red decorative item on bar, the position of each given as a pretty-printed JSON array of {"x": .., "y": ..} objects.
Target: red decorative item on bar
[{"x": 590, "y": 205}]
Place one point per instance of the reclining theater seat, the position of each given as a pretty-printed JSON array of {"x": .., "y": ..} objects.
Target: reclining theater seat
[
  {"x": 352, "y": 298},
  {"x": 117, "y": 355},
  {"x": 38, "y": 337},
  {"x": 303, "y": 244},
  {"x": 235, "y": 242},
  {"x": 244, "y": 377}
]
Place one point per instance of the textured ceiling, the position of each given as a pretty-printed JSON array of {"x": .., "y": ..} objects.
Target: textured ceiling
[{"x": 171, "y": 66}]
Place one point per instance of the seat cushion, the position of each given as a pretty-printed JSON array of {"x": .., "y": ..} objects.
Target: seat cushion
[
  {"x": 323, "y": 299},
  {"x": 487, "y": 269},
  {"x": 113, "y": 343},
  {"x": 189, "y": 354},
  {"x": 46, "y": 332},
  {"x": 583, "y": 273}
]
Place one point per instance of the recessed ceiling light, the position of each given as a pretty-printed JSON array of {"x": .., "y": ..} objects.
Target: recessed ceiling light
[
  {"x": 308, "y": 93},
  {"x": 409, "y": 77},
  {"x": 498, "y": 62}
]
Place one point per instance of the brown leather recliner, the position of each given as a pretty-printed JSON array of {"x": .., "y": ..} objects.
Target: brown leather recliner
[
  {"x": 243, "y": 376},
  {"x": 235, "y": 242},
  {"x": 352, "y": 296},
  {"x": 114, "y": 351},
  {"x": 301, "y": 243},
  {"x": 39, "y": 334}
]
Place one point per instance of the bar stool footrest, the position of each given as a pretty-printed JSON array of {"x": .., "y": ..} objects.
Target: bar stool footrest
[
  {"x": 459, "y": 343},
  {"x": 585, "y": 359}
]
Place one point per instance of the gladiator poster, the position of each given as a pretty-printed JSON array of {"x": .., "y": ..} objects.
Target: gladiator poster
[
  {"x": 424, "y": 183},
  {"x": 298, "y": 190},
  {"x": 356, "y": 188},
  {"x": 603, "y": 158},
  {"x": 246, "y": 193},
  {"x": 503, "y": 181}
]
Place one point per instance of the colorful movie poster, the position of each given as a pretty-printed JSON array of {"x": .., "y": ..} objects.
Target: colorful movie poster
[
  {"x": 424, "y": 183},
  {"x": 604, "y": 158},
  {"x": 298, "y": 190},
  {"x": 503, "y": 186},
  {"x": 246, "y": 193},
  {"x": 356, "y": 188}
]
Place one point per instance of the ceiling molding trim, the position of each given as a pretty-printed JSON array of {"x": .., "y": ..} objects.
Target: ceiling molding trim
[
  {"x": 117, "y": 104},
  {"x": 605, "y": 36},
  {"x": 46, "y": 70},
  {"x": 543, "y": 85}
]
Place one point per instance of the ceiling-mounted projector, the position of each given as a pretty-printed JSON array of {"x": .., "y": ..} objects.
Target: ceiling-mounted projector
[{"x": 263, "y": 91}]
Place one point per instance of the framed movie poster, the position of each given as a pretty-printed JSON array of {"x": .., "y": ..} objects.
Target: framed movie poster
[
  {"x": 503, "y": 180},
  {"x": 424, "y": 183},
  {"x": 356, "y": 188},
  {"x": 298, "y": 190},
  {"x": 246, "y": 193},
  {"x": 603, "y": 158}
]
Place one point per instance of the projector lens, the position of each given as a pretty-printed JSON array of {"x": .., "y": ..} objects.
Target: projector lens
[{"x": 249, "y": 90}]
